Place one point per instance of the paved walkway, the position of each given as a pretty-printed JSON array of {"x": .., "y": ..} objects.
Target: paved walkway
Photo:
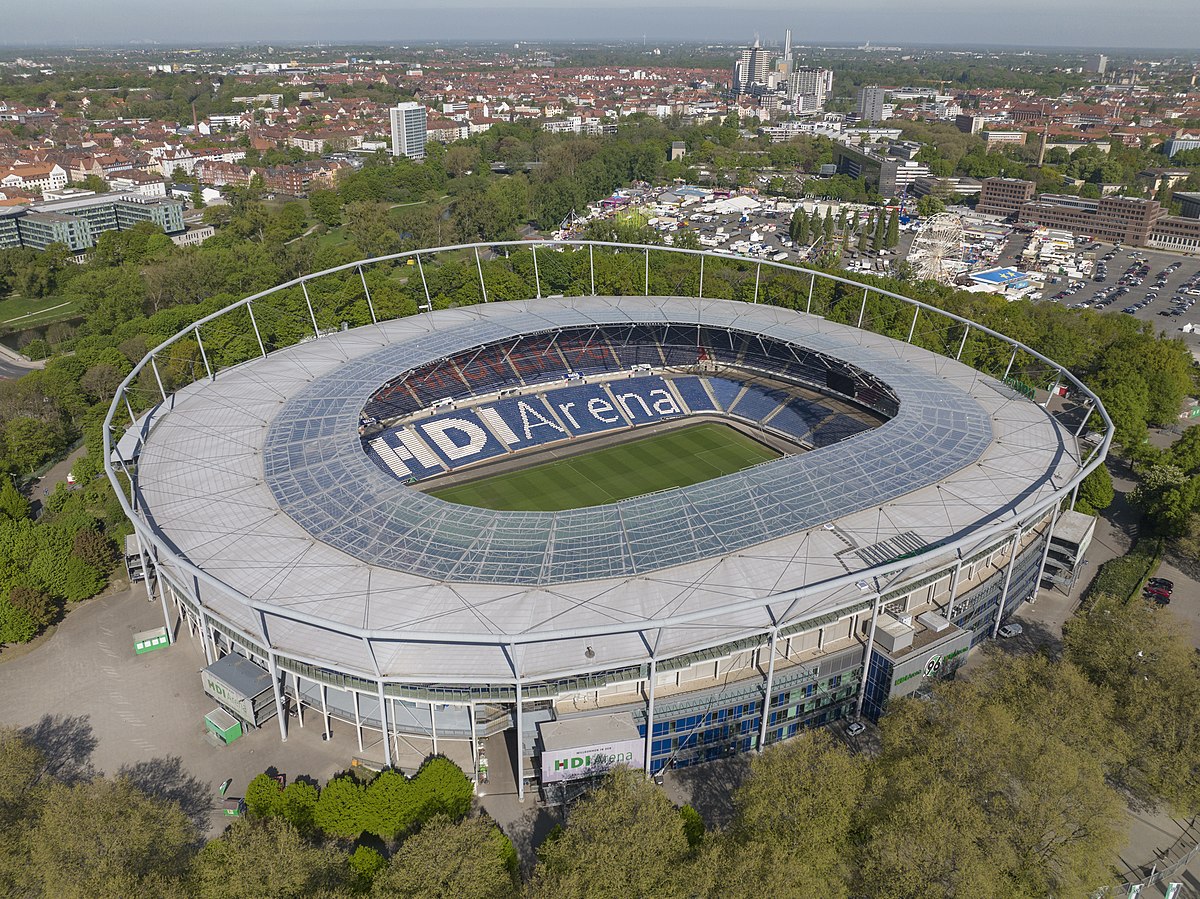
[{"x": 146, "y": 709}]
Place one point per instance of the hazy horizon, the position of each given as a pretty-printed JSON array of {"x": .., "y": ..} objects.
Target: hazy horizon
[{"x": 1100, "y": 24}]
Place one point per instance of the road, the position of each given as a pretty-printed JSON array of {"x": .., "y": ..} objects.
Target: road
[{"x": 14, "y": 365}]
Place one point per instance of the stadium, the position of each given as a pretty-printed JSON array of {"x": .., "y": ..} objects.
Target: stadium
[{"x": 653, "y": 529}]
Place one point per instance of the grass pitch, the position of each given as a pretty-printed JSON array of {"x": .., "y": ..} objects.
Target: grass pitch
[{"x": 660, "y": 462}]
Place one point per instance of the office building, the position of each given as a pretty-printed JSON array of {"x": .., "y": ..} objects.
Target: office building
[
  {"x": 871, "y": 106},
  {"x": 77, "y": 223},
  {"x": 1004, "y": 196},
  {"x": 1180, "y": 141},
  {"x": 1097, "y": 64},
  {"x": 1189, "y": 204},
  {"x": 888, "y": 172},
  {"x": 408, "y": 130},
  {"x": 1114, "y": 219},
  {"x": 1176, "y": 232}
]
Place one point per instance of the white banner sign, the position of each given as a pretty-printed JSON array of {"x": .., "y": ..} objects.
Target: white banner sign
[{"x": 588, "y": 761}]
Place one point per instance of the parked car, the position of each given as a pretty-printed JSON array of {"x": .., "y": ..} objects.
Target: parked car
[
  {"x": 1162, "y": 583},
  {"x": 1011, "y": 630},
  {"x": 854, "y": 728}
]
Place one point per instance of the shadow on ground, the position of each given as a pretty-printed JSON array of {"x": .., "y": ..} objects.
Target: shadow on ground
[
  {"x": 165, "y": 778},
  {"x": 67, "y": 743},
  {"x": 530, "y": 830},
  {"x": 709, "y": 788}
]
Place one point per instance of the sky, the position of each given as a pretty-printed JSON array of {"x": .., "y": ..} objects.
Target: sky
[{"x": 1103, "y": 24}]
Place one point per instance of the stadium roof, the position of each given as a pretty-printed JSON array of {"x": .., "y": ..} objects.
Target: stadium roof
[{"x": 259, "y": 478}]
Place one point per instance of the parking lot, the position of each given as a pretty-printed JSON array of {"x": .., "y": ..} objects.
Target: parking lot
[{"x": 1147, "y": 284}]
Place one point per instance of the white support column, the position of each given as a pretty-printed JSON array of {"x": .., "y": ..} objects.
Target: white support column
[
  {"x": 325, "y": 710},
  {"x": 962, "y": 346},
  {"x": 647, "y": 271},
  {"x": 1011, "y": 360},
  {"x": 366, "y": 290},
  {"x": 209, "y": 652},
  {"x": 474, "y": 742},
  {"x": 650, "y": 710},
  {"x": 129, "y": 409},
  {"x": 592, "y": 266},
  {"x": 394, "y": 733},
  {"x": 912, "y": 329},
  {"x": 166, "y": 609},
  {"x": 479, "y": 266},
  {"x": 700, "y": 294},
  {"x": 520, "y": 732},
  {"x": 537, "y": 278},
  {"x": 137, "y": 536},
  {"x": 203, "y": 355},
  {"x": 433, "y": 728},
  {"x": 299, "y": 702},
  {"x": 357, "y": 720},
  {"x": 811, "y": 284},
  {"x": 311, "y": 314},
  {"x": 954, "y": 587},
  {"x": 157, "y": 377},
  {"x": 424, "y": 284},
  {"x": 769, "y": 686},
  {"x": 1050, "y": 395},
  {"x": 1012, "y": 563},
  {"x": 862, "y": 313},
  {"x": 862, "y": 685},
  {"x": 257, "y": 336},
  {"x": 1046, "y": 550},
  {"x": 757, "y": 278},
  {"x": 1086, "y": 416},
  {"x": 383, "y": 727},
  {"x": 280, "y": 712}
]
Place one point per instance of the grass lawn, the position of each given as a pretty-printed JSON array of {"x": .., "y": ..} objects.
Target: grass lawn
[
  {"x": 663, "y": 461},
  {"x": 17, "y": 313}
]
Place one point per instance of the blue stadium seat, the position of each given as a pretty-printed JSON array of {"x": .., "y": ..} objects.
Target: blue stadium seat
[
  {"x": 725, "y": 391},
  {"x": 694, "y": 394},
  {"x": 839, "y": 427},
  {"x": 459, "y": 438},
  {"x": 798, "y": 418},
  {"x": 758, "y": 402}
]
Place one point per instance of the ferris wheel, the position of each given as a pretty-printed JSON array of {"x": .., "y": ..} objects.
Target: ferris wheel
[{"x": 937, "y": 250}]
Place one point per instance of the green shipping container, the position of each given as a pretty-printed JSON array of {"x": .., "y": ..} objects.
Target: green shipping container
[
  {"x": 148, "y": 641},
  {"x": 224, "y": 725}
]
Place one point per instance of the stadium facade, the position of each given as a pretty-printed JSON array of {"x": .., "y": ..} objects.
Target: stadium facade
[{"x": 280, "y": 505}]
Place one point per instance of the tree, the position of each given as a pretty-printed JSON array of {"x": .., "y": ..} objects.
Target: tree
[
  {"x": 468, "y": 860},
  {"x": 263, "y": 797},
  {"x": 625, "y": 839},
  {"x": 34, "y": 604},
  {"x": 106, "y": 838},
  {"x": 791, "y": 829},
  {"x": 339, "y": 810},
  {"x": 1096, "y": 492},
  {"x": 370, "y": 227},
  {"x": 13, "y": 504},
  {"x": 326, "y": 207},
  {"x": 1138, "y": 655},
  {"x": 929, "y": 206},
  {"x": 892, "y": 239},
  {"x": 254, "y": 859},
  {"x": 994, "y": 787}
]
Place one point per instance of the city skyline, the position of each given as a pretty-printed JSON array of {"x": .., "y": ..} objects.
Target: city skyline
[{"x": 1103, "y": 25}]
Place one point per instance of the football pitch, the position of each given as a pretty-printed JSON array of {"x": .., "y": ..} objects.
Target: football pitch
[{"x": 659, "y": 462}]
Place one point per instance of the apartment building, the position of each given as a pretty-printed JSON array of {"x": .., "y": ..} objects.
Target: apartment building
[{"x": 408, "y": 130}]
